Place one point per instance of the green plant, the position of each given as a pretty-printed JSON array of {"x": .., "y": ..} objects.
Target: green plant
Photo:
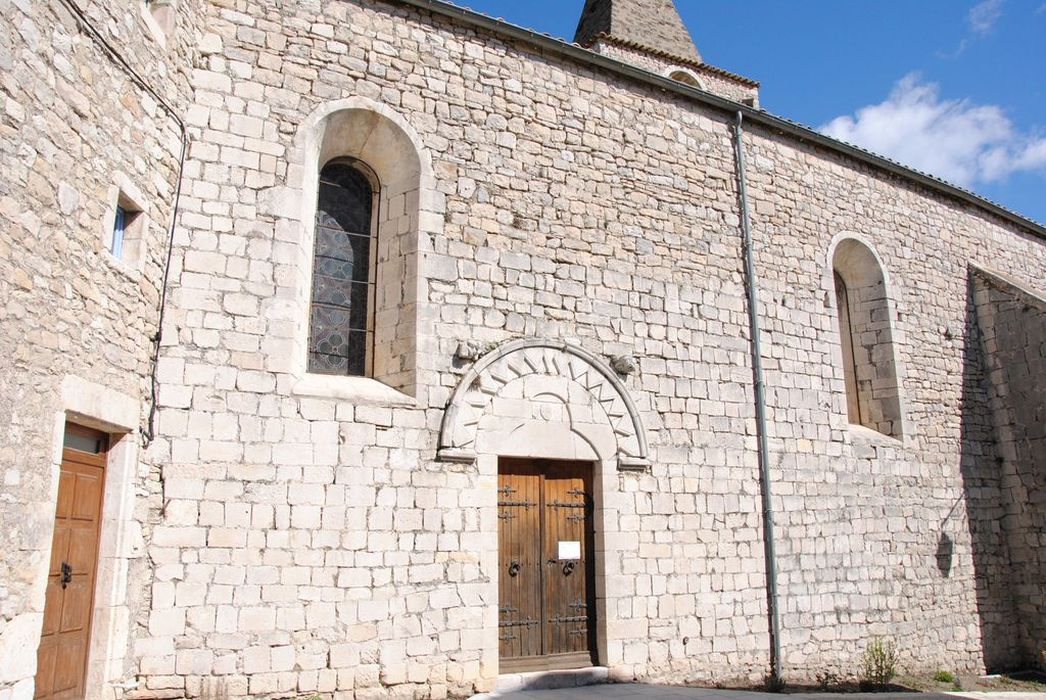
[
  {"x": 880, "y": 662},
  {"x": 944, "y": 677}
]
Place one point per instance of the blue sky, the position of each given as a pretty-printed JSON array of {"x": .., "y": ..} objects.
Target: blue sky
[{"x": 952, "y": 87}]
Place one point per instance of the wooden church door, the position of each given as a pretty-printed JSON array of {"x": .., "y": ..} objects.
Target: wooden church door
[{"x": 546, "y": 579}]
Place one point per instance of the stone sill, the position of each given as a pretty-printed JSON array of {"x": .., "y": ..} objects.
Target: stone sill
[
  {"x": 868, "y": 436},
  {"x": 122, "y": 267},
  {"x": 359, "y": 391}
]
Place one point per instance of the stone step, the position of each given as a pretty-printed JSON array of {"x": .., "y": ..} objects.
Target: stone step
[{"x": 548, "y": 680}]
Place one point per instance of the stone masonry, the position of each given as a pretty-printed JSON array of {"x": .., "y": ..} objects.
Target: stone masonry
[
  {"x": 75, "y": 129},
  {"x": 291, "y": 535},
  {"x": 1012, "y": 323}
]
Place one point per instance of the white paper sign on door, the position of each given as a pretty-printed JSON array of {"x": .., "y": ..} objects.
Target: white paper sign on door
[{"x": 569, "y": 551}]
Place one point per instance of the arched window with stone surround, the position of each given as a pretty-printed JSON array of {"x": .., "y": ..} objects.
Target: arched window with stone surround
[
  {"x": 367, "y": 205},
  {"x": 341, "y": 318},
  {"x": 866, "y": 339}
]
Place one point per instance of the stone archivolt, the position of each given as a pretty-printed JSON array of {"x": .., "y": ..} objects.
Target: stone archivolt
[{"x": 490, "y": 378}]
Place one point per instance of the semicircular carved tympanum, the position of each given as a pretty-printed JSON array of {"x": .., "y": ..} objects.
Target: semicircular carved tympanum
[{"x": 543, "y": 398}]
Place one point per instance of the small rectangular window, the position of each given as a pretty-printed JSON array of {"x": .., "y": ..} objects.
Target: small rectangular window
[{"x": 125, "y": 230}]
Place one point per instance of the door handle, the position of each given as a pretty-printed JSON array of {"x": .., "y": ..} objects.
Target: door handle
[
  {"x": 513, "y": 568},
  {"x": 67, "y": 574},
  {"x": 568, "y": 566}
]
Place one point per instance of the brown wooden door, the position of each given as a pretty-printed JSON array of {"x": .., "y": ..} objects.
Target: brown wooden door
[
  {"x": 62, "y": 656},
  {"x": 547, "y": 611}
]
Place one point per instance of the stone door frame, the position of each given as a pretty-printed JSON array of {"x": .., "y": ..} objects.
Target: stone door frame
[
  {"x": 594, "y": 420},
  {"x": 100, "y": 407}
]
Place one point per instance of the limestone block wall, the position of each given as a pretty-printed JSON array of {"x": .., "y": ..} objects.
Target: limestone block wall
[
  {"x": 75, "y": 322},
  {"x": 880, "y": 536},
  {"x": 1012, "y": 322},
  {"x": 311, "y": 542}
]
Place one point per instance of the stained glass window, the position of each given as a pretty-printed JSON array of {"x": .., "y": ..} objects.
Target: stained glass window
[{"x": 342, "y": 317}]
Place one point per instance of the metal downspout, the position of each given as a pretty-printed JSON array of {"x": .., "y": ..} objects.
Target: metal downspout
[{"x": 773, "y": 611}]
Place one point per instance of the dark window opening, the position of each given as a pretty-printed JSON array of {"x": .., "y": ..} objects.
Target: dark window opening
[{"x": 341, "y": 330}]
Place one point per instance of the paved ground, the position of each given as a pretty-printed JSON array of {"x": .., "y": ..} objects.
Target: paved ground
[{"x": 655, "y": 692}]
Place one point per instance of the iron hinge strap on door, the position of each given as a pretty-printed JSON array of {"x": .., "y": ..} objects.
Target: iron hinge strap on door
[
  {"x": 570, "y": 618},
  {"x": 519, "y": 623}
]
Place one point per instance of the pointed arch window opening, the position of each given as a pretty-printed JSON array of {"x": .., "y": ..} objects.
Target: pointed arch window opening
[{"x": 344, "y": 273}]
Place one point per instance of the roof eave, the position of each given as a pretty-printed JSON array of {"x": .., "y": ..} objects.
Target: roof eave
[{"x": 665, "y": 55}]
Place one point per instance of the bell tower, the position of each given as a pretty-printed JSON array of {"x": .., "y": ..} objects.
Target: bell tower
[
  {"x": 651, "y": 34},
  {"x": 652, "y": 23}
]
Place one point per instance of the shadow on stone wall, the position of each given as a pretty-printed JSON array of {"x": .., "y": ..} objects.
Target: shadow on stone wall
[
  {"x": 1004, "y": 466},
  {"x": 984, "y": 503}
]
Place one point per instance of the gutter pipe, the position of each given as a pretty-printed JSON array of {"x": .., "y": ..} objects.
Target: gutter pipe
[{"x": 769, "y": 550}]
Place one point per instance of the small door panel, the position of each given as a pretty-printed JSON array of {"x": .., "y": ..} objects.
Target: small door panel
[
  {"x": 66, "y": 494},
  {"x": 52, "y": 606},
  {"x": 59, "y": 548},
  {"x": 69, "y": 671},
  {"x": 83, "y": 543},
  {"x": 88, "y": 494},
  {"x": 45, "y": 662}
]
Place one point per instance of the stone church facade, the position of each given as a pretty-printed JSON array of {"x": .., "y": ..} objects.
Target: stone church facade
[{"x": 374, "y": 348}]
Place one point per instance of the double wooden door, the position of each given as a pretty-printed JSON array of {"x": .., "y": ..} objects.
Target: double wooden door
[
  {"x": 62, "y": 655},
  {"x": 545, "y": 551}
]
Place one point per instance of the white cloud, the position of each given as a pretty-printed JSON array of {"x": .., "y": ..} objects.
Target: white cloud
[
  {"x": 1042, "y": 8},
  {"x": 956, "y": 140},
  {"x": 981, "y": 19},
  {"x": 984, "y": 15}
]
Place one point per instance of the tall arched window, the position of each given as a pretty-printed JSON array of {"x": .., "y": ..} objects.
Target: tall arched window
[
  {"x": 866, "y": 338},
  {"x": 341, "y": 331},
  {"x": 356, "y": 323}
]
